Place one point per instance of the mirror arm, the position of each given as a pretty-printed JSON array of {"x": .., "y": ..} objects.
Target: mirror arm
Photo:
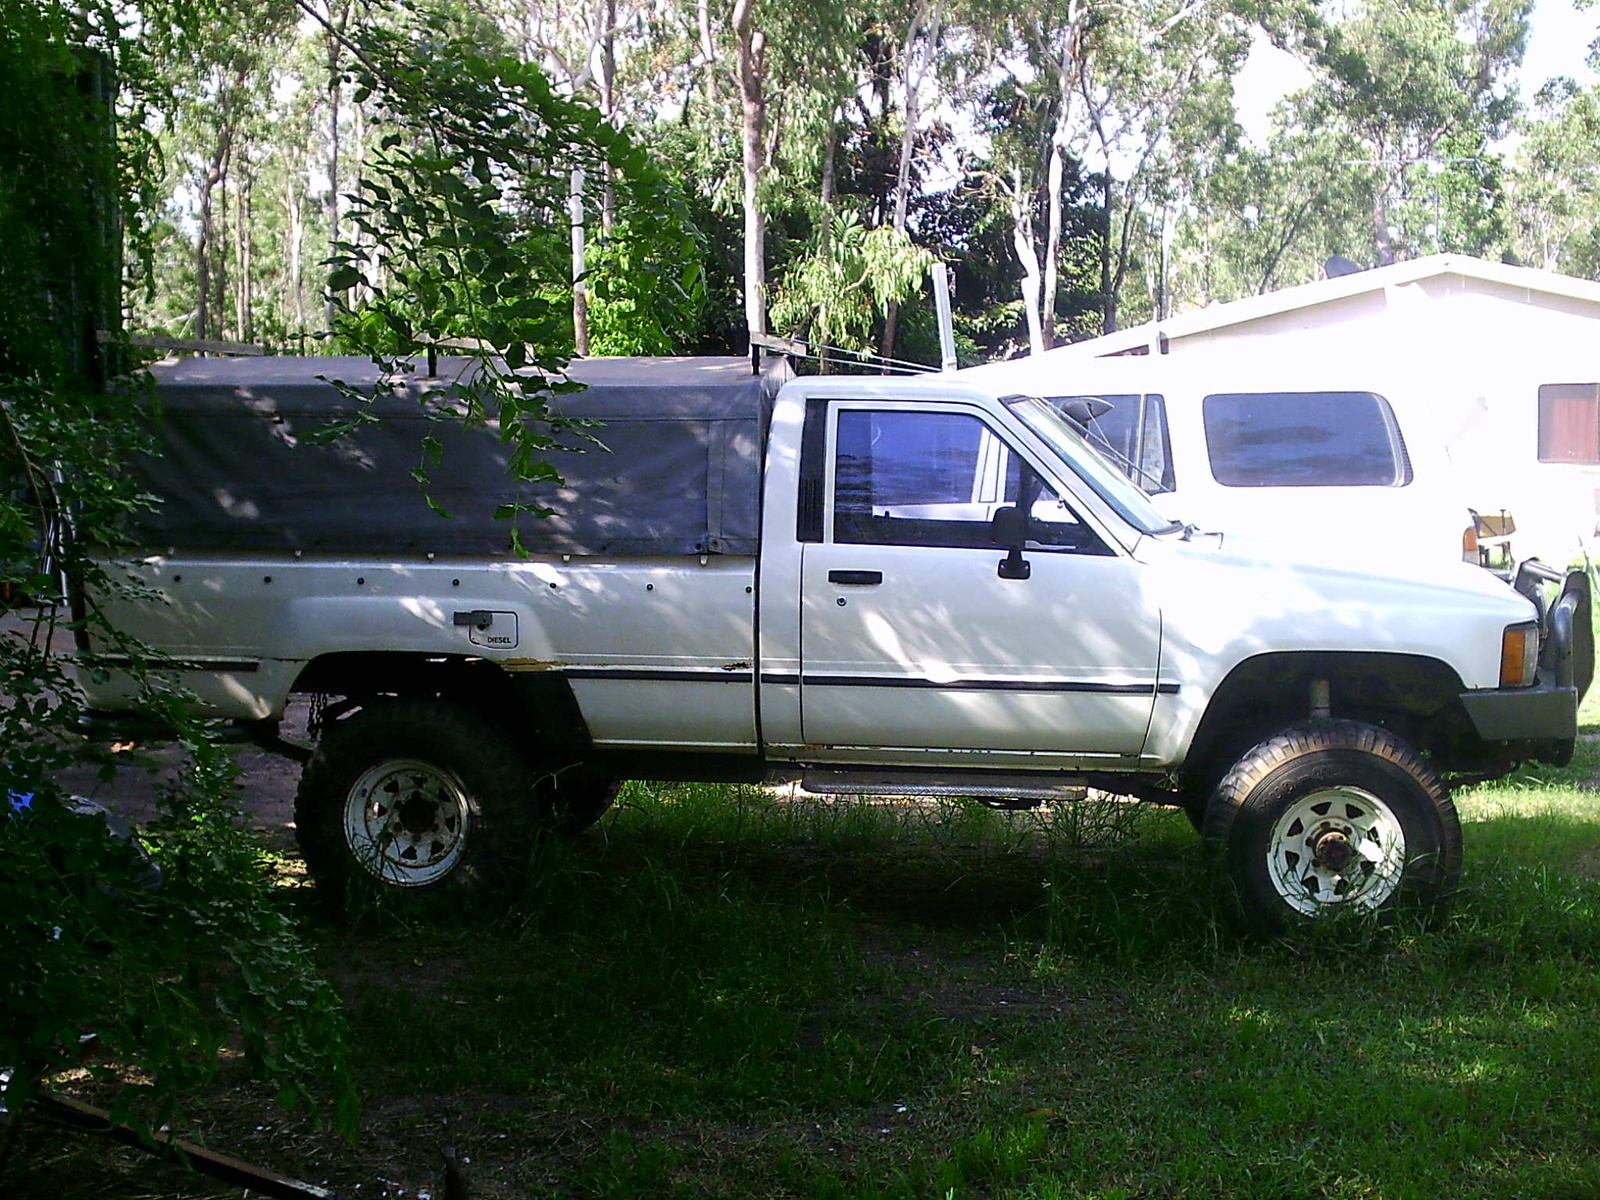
[
  {"x": 1009, "y": 529},
  {"x": 1014, "y": 566}
]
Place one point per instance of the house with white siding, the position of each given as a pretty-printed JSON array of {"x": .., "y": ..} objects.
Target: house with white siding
[{"x": 1389, "y": 400}]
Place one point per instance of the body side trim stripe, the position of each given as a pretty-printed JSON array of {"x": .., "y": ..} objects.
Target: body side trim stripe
[
  {"x": 975, "y": 685},
  {"x": 717, "y": 675},
  {"x": 650, "y": 675},
  {"x": 155, "y": 663}
]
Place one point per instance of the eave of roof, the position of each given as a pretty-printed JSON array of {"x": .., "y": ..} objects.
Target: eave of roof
[{"x": 1324, "y": 291}]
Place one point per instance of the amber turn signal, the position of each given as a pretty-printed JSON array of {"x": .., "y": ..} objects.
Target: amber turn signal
[{"x": 1519, "y": 655}]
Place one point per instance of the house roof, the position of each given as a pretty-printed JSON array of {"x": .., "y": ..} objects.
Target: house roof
[{"x": 1309, "y": 295}]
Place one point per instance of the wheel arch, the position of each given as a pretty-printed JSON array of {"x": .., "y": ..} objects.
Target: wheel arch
[
  {"x": 531, "y": 705},
  {"x": 1416, "y": 697}
]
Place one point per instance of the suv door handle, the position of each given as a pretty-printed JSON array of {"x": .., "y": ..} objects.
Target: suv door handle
[{"x": 855, "y": 576}]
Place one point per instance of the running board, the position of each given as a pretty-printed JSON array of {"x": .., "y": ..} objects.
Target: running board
[{"x": 979, "y": 785}]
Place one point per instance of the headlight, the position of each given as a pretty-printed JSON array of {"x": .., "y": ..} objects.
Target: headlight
[{"x": 1519, "y": 655}]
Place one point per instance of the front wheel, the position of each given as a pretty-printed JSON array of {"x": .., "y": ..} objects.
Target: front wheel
[
  {"x": 1332, "y": 817},
  {"x": 417, "y": 796}
]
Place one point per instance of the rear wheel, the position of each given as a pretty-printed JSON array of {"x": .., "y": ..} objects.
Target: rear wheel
[
  {"x": 1332, "y": 817},
  {"x": 418, "y": 796}
]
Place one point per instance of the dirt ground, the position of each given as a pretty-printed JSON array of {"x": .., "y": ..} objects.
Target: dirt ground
[{"x": 267, "y": 781}]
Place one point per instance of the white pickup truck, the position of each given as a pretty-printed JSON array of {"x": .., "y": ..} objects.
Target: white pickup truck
[{"x": 902, "y": 586}]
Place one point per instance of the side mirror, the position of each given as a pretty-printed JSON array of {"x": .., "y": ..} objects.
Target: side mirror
[{"x": 1009, "y": 530}]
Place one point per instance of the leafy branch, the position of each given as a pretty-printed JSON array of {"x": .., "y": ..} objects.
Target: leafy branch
[{"x": 459, "y": 226}]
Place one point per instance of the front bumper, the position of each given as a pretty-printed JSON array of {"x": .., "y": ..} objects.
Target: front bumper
[
  {"x": 1547, "y": 711},
  {"x": 1543, "y": 712}
]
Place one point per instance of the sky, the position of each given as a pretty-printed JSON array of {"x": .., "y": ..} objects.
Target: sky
[{"x": 1557, "y": 45}]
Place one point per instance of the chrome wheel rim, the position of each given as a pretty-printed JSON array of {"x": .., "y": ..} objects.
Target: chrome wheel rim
[
  {"x": 407, "y": 822},
  {"x": 1336, "y": 848}
]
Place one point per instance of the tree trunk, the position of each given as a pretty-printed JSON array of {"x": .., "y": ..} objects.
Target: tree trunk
[
  {"x": 830, "y": 186},
  {"x": 333, "y": 190},
  {"x": 205, "y": 243},
  {"x": 356, "y": 158},
  {"x": 1022, "y": 243},
  {"x": 1070, "y": 47},
  {"x": 608, "y": 106},
  {"x": 244, "y": 261},
  {"x": 295, "y": 216},
  {"x": 1108, "y": 295},
  {"x": 335, "y": 102},
  {"x": 580, "y": 288},
  {"x": 708, "y": 54},
  {"x": 1380, "y": 224},
  {"x": 752, "y": 71},
  {"x": 924, "y": 32},
  {"x": 830, "y": 171}
]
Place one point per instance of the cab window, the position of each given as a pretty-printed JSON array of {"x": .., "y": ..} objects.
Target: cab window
[{"x": 936, "y": 479}]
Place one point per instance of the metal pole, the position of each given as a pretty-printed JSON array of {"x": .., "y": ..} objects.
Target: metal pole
[{"x": 941, "y": 306}]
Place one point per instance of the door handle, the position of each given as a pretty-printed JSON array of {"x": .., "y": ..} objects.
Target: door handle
[{"x": 855, "y": 576}]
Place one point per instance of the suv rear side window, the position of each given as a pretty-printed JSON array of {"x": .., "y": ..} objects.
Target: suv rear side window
[{"x": 1304, "y": 439}]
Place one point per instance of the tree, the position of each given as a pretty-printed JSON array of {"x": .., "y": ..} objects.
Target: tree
[
  {"x": 1409, "y": 77},
  {"x": 165, "y": 977},
  {"x": 851, "y": 274},
  {"x": 576, "y": 45},
  {"x": 219, "y": 99},
  {"x": 1555, "y": 193},
  {"x": 917, "y": 55},
  {"x": 459, "y": 208},
  {"x": 1256, "y": 221},
  {"x": 1141, "y": 91},
  {"x": 751, "y": 72}
]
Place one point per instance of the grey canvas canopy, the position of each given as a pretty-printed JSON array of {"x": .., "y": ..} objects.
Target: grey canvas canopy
[{"x": 680, "y": 471}]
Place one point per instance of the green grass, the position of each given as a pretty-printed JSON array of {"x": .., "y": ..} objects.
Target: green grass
[{"x": 724, "y": 994}]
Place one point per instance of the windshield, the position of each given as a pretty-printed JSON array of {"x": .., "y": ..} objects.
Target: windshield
[{"x": 1132, "y": 505}]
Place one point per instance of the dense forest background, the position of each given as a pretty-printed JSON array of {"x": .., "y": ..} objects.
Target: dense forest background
[{"x": 1079, "y": 166}]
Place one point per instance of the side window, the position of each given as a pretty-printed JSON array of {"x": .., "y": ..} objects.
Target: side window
[
  {"x": 1304, "y": 439},
  {"x": 1569, "y": 423},
  {"x": 1155, "y": 449},
  {"x": 1132, "y": 435},
  {"x": 935, "y": 479}
]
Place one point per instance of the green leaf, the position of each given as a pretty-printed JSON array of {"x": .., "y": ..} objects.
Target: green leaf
[{"x": 343, "y": 278}]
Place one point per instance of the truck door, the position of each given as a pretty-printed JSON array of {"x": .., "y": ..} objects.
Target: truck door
[{"x": 912, "y": 637}]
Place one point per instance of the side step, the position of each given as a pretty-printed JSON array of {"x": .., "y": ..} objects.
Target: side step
[{"x": 979, "y": 785}]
